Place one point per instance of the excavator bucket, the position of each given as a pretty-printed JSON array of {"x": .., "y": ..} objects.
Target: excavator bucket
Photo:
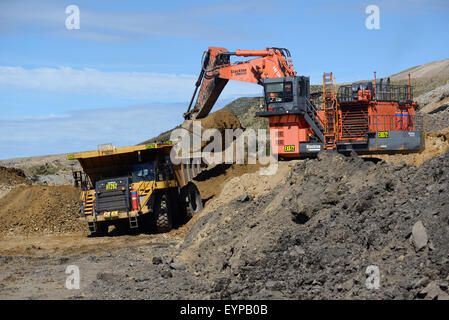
[{"x": 211, "y": 85}]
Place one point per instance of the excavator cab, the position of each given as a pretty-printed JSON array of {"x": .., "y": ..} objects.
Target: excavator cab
[
  {"x": 286, "y": 95},
  {"x": 291, "y": 116}
]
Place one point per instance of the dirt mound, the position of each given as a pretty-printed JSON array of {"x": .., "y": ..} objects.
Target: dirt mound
[
  {"x": 221, "y": 120},
  {"x": 12, "y": 176},
  {"x": 234, "y": 194},
  {"x": 315, "y": 235},
  {"x": 40, "y": 209},
  {"x": 211, "y": 182}
]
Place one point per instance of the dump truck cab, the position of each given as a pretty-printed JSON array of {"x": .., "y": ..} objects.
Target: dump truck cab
[{"x": 134, "y": 187}]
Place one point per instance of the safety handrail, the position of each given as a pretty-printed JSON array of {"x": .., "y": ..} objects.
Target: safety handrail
[
  {"x": 314, "y": 109},
  {"x": 399, "y": 122}
]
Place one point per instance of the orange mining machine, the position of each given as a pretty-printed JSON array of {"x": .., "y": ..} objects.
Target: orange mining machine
[{"x": 365, "y": 117}]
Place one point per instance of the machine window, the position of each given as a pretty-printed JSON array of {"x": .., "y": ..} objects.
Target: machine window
[
  {"x": 279, "y": 92},
  {"x": 288, "y": 90},
  {"x": 302, "y": 88},
  {"x": 143, "y": 172}
]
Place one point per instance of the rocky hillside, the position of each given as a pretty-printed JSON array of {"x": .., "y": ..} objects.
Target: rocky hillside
[
  {"x": 52, "y": 169},
  {"x": 332, "y": 218},
  {"x": 430, "y": 81},
  {"x": 429, "y": 70},
  {"x": 312, "y": 231}
]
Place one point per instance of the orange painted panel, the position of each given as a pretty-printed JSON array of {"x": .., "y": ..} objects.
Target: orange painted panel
[
  {"x": 290, "y": 130},
  {"x": 303, "y": 136}
]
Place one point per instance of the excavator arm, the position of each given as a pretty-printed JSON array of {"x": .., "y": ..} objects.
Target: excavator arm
[{"x": 217, "y": 70}]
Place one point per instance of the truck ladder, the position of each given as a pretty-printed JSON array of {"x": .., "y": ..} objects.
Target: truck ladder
[
  {"x": 330, "y": 111},
  {"x": 133, "y": 222},
  {"x": 92, "y": 225}
]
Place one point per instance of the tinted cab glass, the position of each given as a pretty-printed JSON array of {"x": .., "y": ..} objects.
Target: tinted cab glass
[{"x": 143, "y": 171}]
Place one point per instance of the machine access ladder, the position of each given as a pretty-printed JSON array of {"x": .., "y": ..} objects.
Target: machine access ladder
[{"x": 330, "y": 111}]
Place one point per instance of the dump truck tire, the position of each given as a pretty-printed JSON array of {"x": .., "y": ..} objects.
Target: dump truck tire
[
  {"x": 195, "y": 203},
  {"x": 176, "y": 208},
  {"x": 101, "y": 230},
  {"x": 162, "y": 214},
  {"x": 122, "y": 226}
]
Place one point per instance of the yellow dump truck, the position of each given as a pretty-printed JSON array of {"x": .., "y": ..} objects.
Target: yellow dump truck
[{"x": 136, "y": 187}]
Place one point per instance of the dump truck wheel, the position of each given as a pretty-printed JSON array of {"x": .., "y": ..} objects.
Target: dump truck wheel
[
  {"x": 101, "y": 230},
  {"x": 163, "y": 221},
  {"x": 122, "y": 226},
  {"x": 182, "y": 211},
  {"x": 194, "y": 199}
]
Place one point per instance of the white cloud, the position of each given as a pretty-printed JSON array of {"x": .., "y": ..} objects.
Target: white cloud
[
  {"x": 84, "y": 130},
  {"x": 47, "y": 117},
  {"x": 132, "y": 85},
  {"x": 95, "y": 82},
  {"x": 188, "y": 22}
]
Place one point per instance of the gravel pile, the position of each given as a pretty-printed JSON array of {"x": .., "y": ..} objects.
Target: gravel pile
[
  {"x": 12, "y": 176},
  {"x": 315, "y": 236},
  {"x": 40, "y": 209}
]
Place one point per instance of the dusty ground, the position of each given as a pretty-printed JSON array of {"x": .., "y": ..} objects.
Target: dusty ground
[
  {"x": 33, "y": 262},
  {"x": 323, "y": 222},
  {"x": 34, "y": 267},
  {"x": 307, "y": 232}
]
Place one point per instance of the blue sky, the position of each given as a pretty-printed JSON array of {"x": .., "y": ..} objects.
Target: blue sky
[{"x": 129, "y": 71}]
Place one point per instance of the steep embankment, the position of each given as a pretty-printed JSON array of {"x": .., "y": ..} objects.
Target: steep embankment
[
  {"x": 428, "y": 70},
  {"x": 12, "y": 176},
  {"x": 314, "y": 235},
  {"x": 425, "y": 77},
  {"x": 51, "y": 169},
  {"x": 9, "y": 177}
]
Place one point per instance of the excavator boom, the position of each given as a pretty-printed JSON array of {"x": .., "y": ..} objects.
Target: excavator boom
[{"x": 217, "y": 70}]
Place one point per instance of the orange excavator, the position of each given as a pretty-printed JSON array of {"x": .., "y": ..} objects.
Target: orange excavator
[
  {"x": 217, "y": 70},
  {"x": 362, "y": 117}
]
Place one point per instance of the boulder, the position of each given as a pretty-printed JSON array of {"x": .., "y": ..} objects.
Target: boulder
[{"x": 419, "y": 236}]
